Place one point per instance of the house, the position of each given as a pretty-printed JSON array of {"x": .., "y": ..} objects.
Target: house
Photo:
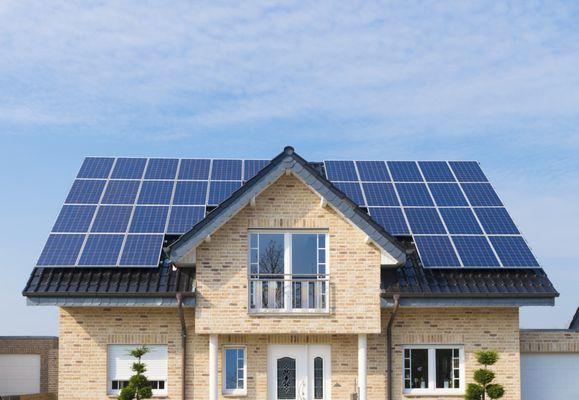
[{"x": 285, "y": 279}]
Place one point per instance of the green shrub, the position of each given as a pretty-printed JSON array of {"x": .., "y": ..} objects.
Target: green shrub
[
  {"x": 483, "y": 378},
  {"x": 485, "y": 358},
  {"x": 138, "y": 387},
  {"x": 474, "y": 392},
  {"x": 495, "y": 391}
]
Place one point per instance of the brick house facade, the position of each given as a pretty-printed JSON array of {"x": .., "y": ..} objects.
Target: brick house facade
[{"x": 229, "y": 331}]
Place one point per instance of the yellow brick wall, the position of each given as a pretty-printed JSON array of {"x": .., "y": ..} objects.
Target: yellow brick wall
[
  {"x": 354, "y": 268},
  {"x": 549, "y": 341},
  {"x": 85, "y": 334}
]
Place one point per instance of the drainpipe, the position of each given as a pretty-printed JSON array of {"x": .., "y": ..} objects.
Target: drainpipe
[
  {"x": 396, "y": 299},
  {"x": 180, "y": 296}
]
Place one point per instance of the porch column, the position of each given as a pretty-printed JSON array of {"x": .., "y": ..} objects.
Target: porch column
[
  {"x": 213, "y": 354},
  {"x": 362, "y": 367}
]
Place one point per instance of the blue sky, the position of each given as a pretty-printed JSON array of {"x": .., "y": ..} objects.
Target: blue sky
[{"x": 491, "y": 81}]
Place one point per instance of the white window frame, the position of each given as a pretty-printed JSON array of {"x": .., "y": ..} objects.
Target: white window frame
[
  {"x": 156, "y": 392},
  {"x": 287, "y": 234},
  {"x": 233, "y": 392},
  {"x": 432, "y": 390}
]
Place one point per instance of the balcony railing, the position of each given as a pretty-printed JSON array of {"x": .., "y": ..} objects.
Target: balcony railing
[{"x": 280, "y": 293}]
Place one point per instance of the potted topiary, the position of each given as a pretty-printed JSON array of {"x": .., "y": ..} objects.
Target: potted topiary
[
  {"x": 138, "y": 387},
  {"x": 484, "y": 378}
]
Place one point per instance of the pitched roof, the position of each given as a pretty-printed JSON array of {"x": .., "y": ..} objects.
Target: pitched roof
[
  {"x": 575, "y": 321},
  {"x": 288, "y": 160},
  {"x": 411, "y": 280}
]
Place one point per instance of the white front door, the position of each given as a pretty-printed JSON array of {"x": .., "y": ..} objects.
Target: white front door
[{"x": 299, "y": 372}]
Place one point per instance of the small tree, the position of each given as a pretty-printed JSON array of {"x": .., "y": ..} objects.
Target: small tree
[
  {"x": 138, "y": 387},
  {"x": 483, "y": 378}
]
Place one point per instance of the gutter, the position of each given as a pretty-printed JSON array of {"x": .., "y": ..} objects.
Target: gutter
[
  {"x": 396, "y": 299},
  {"x": 180, "y": 296}
]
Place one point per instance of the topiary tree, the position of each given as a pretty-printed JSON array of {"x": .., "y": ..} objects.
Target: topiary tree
[
  {"x": 483, "y": 378},
  {"x": 139, "y": 386}
]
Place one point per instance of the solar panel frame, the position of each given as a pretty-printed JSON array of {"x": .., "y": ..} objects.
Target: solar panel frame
[
  {"x": 190, "y": 193},
  {"x": 161, "y": 168},
  {"x": 85, "y": 191},
  {"x": 481, "y": 195},
  {"x": 226, "y": 170},
  {"x": 405, "y": 171},
  {"x": 414, "y": 194},
  {"x": 221, "y": 190},
  {"x": 252, "y": 167},
  {"x": 392, "y": 219},
  {"x": 129, "y": 168},
  {"x": 460, "y": 221},
  {"x": 111, "y": 219},
  {"x": 183, "y": 218},
  {"x": 156, "y": 192},
  {"x": 513, "y": 251},
  {"x": 436, "y": 252},
  {"x": 194, "y": 169},
  {"x": 380, "y": 194},
  {"x": 447, "y": 194},
  {"x": 101, "y": 250},
  {"x": 141, "y": 250},
  {"x": 74, "y": 218},
  {"x": 475, "y": 251},
  {"x": 121, "y": 192},
  {"x": 424, "y": 221},
  {"x": 96, "y": 167},
  {"x": 468, "y": 171},
  {"x": 436, "y": 171},
  {"x": 496, "y": 221},
  {"x": 149, "y": 219},
  {"x": 373, "y": 171},
  {"x": 60, "y": 250},
  {"x": 353, "y": 191}
]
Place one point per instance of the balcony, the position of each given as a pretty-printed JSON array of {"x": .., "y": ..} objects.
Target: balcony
[{"x": 282, "y": 293}]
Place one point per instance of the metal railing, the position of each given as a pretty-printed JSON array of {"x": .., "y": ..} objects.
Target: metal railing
[{"x": 281, "y": 293}]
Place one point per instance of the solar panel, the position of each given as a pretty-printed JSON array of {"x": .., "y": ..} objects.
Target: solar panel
[
  {"x": 194, "y": 169},
  {"x": 460, "y": 221},
  {"x": 149, "y": 219},
  {"x": 96, "y": 167},
  {"x": 391, "y": 219},
  {"x": 373, "y": 171},
  {"x": 112, "y": 219},
  {"x": 344, "y": 171},
  {"x": 414, "y": 194},
  {"x": 380, "y": 194},
  {"x": 220, "y": 190},
  {"x": 74, "y": 218},
  {"x": 156, "y": 192},
  {"x": 85, "y": 191},
  {"x": 447, "y": 195},
  {"x": 61, "y": 250},
  {"x": 142, "y": 250},
  {"x": 436, "y": 171},
  {"x": 424, "y": 221},
  {"x": 475, "y": 251},
  {"x": 252, "y": 167},
  {"x": 436, "y": 251},
  {"x": 352, "y": 190},
  {"x": 129, "y": 168},
  {"x": 468, "y": 171},
  {"x": 121, "y": 192},
  {"x": 119, "y": 205},
  {"x": 101, "y": 250},
  {"x": 405, "y": 171},
  {"x": 190, "y": 193},
  {"x": 481, "y": 194},
  {"x": 184, "y": 217},
  {"x": 496, "y": 221},
  {"x": 513, "y": 251},
  {"x": 161, "y": 168},
  {"x": 226, "y": 170}
]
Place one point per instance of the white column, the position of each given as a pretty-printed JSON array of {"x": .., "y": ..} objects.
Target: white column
[
  {"x": 213, "y": 354},
  {"x": 362, "y": 368}
]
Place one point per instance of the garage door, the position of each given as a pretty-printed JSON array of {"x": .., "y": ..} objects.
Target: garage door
[
  {"x": 19, "y": 374},
  {"x": 550, "y": 376}
]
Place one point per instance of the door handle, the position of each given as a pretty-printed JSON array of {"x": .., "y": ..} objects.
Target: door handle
[{"x": 303, "y": 390}]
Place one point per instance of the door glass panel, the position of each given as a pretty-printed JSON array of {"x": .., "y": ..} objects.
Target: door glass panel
[
  {"x": 444, "y": 368},
  {"x": 286, "y": 378},
  {"x": 318, "y": 378}
]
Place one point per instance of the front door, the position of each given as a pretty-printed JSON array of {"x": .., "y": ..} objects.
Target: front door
[{"x": 299, "y": 372}]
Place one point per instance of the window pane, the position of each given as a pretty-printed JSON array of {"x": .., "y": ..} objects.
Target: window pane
[
  {"x": 304, "y": 257},
  {"x": 271, "y": 249},
  {"x": 444, "y": 368},
  {"x": 231, "y": 369},
  {"x": 419, "y": 369}
]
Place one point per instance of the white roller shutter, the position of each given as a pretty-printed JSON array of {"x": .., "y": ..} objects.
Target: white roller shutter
[
  {"x": 549, "y": 376},
  {"x": 120, "y": 363},
  {"x": 19, "y": 374}
]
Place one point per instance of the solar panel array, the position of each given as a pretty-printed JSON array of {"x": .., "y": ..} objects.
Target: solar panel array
[
  {"x": 451, "y": 211},
  {"x": 119, "y": 210}
]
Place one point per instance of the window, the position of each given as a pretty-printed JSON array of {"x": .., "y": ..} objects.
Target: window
[
  {"x": 288, "y": 271},
  {"x": 234, "y": 371},
  {"x": 120, "y": 363},
  {"x": 433, "y": 369}
]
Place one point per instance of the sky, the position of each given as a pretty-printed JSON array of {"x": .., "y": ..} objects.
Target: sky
[{"x": 490, "y": 81}]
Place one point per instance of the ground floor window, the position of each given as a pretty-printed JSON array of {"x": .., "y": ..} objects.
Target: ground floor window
[
  {"x": 120, "y": 362},
  {"x": 433, "y": 369},
  {"x": 234, "y": 367}
]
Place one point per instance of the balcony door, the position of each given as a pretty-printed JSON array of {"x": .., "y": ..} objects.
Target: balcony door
[{"x": 299, "y": 372}]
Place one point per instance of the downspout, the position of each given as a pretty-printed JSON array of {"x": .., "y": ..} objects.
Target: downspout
[
  {"x": 180, "y": 296},
  {"x": 396, "y": 299}
]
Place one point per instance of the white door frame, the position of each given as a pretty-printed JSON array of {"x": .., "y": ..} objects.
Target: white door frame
[{"x": 304, "y": 356}]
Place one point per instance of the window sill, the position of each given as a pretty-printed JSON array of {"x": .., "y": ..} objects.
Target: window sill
[
  {"x": 281, "y": 312},
  {"x": 433, "y": 392},
  {"x": 234, "y": 394}
]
